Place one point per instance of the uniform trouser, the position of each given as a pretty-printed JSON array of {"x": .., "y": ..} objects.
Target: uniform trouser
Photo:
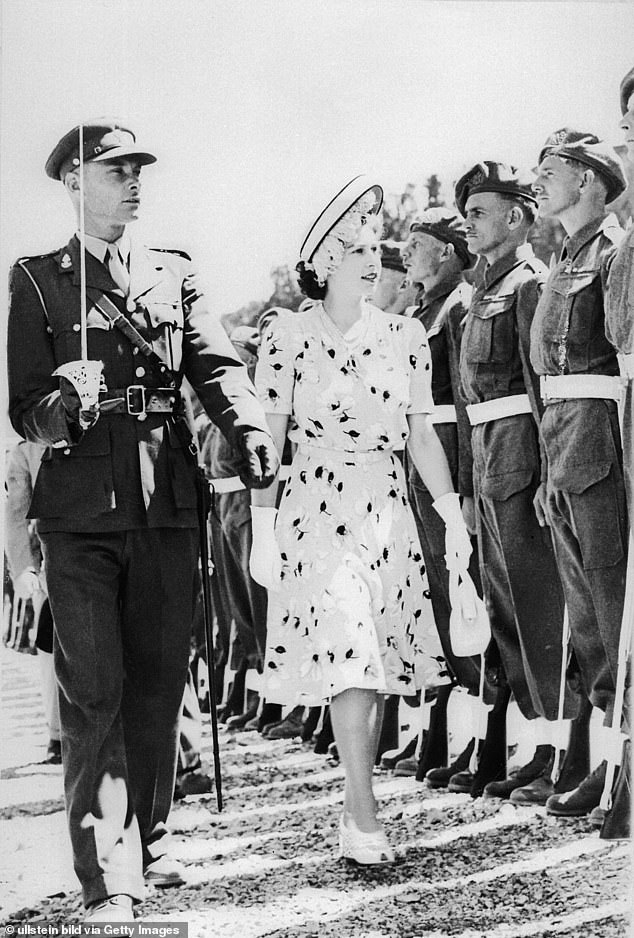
[
  {"x": 519, "y": 571},
  {"x": 590, "y": 533},
  {"x": 431, "y": 533},
  {"x": 246, "y": 599},
  {"x": 122, "y": 604},
  {"x": 628, "y": 445}
]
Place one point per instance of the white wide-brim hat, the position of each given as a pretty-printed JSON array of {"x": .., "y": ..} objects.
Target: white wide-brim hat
[{"x": 336, "y": 209}]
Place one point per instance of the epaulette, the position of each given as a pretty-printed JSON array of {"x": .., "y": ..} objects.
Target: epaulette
[
  {"x": 36, "y": 257},
  {"x": 173, "y": 251}
]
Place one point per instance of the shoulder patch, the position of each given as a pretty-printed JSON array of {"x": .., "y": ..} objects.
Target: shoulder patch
[{"x": 173, "y": 251}]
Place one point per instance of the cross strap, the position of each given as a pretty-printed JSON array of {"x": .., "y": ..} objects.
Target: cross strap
[{"x": 105, "y": 306}]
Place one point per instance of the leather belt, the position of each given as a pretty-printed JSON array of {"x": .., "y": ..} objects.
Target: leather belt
[
  {"x": 556, "y": 388},
  {"x": 626, "y": 365},
  {"x": 444, "y": 413},
  {"x": 498, "y": 408},
  {"x": 137, "y": 400}
]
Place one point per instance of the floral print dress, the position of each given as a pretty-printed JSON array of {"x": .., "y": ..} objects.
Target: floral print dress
[{"x": 353, "y": 609}]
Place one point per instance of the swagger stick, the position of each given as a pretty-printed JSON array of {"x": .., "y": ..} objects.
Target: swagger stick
[
  {"x": 204, "y": 504},
  {"x": 82, "y": 251}
]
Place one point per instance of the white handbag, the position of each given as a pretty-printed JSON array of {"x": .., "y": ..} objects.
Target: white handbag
[{"x": 469, "y": 628}]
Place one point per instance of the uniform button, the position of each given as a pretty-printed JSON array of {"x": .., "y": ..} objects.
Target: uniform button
[
  {"x": 76, "y": 327},
  {"x": 67, "y": 451},
  {"x": 140, "y": 371},
  {"x": 135, "y": 351}
]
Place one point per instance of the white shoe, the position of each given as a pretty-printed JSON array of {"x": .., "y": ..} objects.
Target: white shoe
[
  {"x": 113, "y": 909},
  {"x": 361, "y": 847}
]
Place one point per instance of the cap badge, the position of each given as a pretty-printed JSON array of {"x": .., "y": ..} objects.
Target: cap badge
[
  {"x": 478, "y": 178},
  {"x": 66, "y": 262}
]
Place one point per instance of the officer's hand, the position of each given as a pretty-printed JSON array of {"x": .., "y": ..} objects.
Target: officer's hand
[
  {"x": 85, "y": 417},
  {"x": 468, "y": 513},
  {"x": 26, "y": 585},
  {"x": 265, "y": 561},
  {"x": 539, "y": 504},
  {"x": 261, "y": 461}
]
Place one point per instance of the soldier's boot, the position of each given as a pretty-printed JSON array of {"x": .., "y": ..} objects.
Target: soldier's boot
[
  {"x": 434, "y": 752},
  {"x": 388, "y": 740},
  {"x": 576, "y": 764},
  {"x": 616, "y": 823},
  {"x": 440, "y": 778},
  {"x": 310, "y": 723},
  {"x": 326, "y": 736},
  {"x": 492, "y": 757},
  {"x": 521, "y": 776},
  {"x": 581, "y": 800},
  {"x": 391, "y": 757}
]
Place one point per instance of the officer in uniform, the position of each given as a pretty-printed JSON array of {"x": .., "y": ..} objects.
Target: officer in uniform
[
  {"x": 435, "y": 256},
  {"x": 519, "y": 570},
  {"x": 115, "y": 500},
  {"x": 583, "y": 495}
]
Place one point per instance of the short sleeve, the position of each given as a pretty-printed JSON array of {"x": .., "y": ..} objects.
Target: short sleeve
[
  {"x": 420, "y": 395},
  {"x": 275, "y": 370}
]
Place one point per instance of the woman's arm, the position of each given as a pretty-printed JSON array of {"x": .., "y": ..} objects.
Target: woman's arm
[{"x": 428, "y": 455}]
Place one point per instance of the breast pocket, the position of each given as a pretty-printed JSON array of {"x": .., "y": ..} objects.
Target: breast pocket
[
  {"x": 581, "y": 289},
  {"x": 164, "y": 323},
  {"x": 490, "y": 332}
]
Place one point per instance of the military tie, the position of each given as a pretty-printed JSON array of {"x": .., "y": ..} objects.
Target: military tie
[{"x": 118, "y": 270}]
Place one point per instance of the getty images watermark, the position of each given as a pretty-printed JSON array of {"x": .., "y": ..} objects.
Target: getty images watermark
[{"x": 109, "y": 929}]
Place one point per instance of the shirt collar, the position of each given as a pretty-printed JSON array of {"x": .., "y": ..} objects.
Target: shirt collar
[
  {"x": 499, "y": 268},
  {"x": 573, "y": 243},
  {"x": 439, "y": 291},
  {"x": 99, "y": 248}
]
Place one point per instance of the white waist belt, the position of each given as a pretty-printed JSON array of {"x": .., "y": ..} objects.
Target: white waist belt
[
  {"x": 498, "y": 408},
  {"x": 626, "y": 365},
  {"x": 443, "y": 413},
  {"x": 574, "y": 387},
  {"x": 235, "y": 484}
]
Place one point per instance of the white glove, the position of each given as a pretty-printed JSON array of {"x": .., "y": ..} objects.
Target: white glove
[
  {"x": 265, "y": 562},
  {"x": 26, "y": 585},
  {"x": 457, "y": 540}
]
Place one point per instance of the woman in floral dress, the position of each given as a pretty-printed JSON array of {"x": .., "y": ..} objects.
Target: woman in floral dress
[{"x": 349, "y": 616}]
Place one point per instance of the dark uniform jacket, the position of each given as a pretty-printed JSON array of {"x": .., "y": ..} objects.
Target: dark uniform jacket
[
  {"x": 447, "y": 302},
  {"x": 494, "y": 363},
  {"x": 568, "y": 337},
  {"x": 123, "y": 472}
]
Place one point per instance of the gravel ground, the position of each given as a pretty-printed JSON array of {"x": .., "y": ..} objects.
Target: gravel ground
[{"x": 267, "y": 865}]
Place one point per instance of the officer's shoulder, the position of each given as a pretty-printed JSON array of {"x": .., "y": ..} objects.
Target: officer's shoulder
[{"x": 35, "y": 261}]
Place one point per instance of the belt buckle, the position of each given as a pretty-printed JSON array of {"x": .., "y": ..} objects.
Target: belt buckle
[{"x": 135, "y": 401}]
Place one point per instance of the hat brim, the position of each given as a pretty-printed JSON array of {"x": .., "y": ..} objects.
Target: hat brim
[
  {"x": 116, "y": 153},
  {"x": 336, "y": 209}
]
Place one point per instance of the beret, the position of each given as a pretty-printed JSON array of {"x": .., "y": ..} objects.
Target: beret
[
  {"x": 590, "y": 150},
  {"x": 336, "y": 209},
  {"x": 103, "y": 140},
  {"x": 444, "y": 225},
  {"x": 391, "y": 256},
  {"x": 627, "y": 87},
  {"x": 489, "y": 176}
]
